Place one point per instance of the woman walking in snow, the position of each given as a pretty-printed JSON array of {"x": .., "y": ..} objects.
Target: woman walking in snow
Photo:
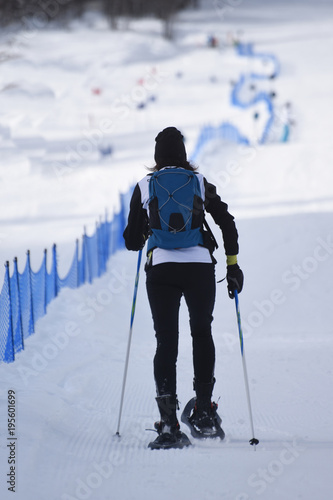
[{"x": 167, "y": 208}]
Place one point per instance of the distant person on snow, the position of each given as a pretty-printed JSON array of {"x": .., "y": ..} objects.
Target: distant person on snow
[
  {"x": 212, "y": 41},
  {"x": 167, "y": 208},
  {"x": 287, "y": 120}
]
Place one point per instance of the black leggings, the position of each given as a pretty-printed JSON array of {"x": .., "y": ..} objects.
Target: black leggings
[{"x": 166, "y": 283}]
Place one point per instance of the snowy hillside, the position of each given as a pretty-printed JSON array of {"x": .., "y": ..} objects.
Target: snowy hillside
[{"x": 58, "y": 88}]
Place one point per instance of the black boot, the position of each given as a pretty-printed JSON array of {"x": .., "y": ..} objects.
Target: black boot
[
  {"x": 204, "y": 414},
  {"x": 168, "y": 429},
  {"x": 168, "y": 406}
]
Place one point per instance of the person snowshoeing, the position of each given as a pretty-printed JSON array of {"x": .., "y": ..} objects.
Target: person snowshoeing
[{"x": 167, "y": 208}]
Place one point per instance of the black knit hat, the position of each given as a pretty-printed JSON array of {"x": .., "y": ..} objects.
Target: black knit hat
[{"x": 170, "y": 148}]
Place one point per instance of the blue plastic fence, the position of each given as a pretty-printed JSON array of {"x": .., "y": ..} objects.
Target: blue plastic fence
[
  {"x": 226, "y": 130},
  {"x": 25, "y": 296},
  {"x": 246, "y": 50}
]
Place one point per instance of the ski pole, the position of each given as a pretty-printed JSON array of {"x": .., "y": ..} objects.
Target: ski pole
[
  {"x": 129, "y": 339},
  {"x": 252, "y": 441}
]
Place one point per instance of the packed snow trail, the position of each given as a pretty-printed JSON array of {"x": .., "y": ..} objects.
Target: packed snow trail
[
  {"x": 68, "y": 385},
  {"x": 68, "y": 380}
]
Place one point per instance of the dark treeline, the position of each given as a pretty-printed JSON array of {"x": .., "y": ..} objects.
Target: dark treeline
[{"x": 40, "y": 12}]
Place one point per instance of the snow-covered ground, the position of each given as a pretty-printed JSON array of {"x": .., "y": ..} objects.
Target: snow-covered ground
[{"x": 63, "y": 95}]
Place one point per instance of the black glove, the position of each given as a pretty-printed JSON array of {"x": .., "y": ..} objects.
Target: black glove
[{"x": 235, "y": 279}]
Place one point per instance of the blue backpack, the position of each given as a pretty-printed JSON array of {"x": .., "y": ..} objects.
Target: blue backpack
[{"x": 175, "y": 209}]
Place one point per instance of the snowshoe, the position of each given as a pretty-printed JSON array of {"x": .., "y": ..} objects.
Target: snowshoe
[
  {"x": 168, "y": 438},
  {"x": 205, "y": 425}
]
